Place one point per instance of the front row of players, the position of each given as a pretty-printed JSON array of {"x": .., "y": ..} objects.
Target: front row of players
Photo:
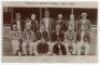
[{"x": 25, "y": 43}]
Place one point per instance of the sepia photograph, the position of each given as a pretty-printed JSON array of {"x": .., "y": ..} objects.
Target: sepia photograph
[{"x": 49, "y": 32}]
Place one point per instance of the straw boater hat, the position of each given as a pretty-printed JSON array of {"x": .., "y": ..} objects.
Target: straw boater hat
[
  {"x": 33, "y": 14},
  {"x": 84, "y": 14},
  {"x": 46, "y": 12},
  {"x": 18, "y": 14}
]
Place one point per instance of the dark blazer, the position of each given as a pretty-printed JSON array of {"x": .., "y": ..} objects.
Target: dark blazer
[
  {"x": 54, "y": 36},
  {"x": 43, "y": 34},
  {"x": 63, "y": 25},
  {"x": 56, "y": 49},
  {"x": 35, "y": 25}
]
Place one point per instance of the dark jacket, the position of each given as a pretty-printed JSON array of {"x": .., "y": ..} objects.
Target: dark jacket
[
  {"x": 54, "y": 36},
  {"x": 57, "y": 50},
  {"x": 35, "y": 25},
  {"x": 42, "y": 34},
  {"x": 63, "y": 25}
]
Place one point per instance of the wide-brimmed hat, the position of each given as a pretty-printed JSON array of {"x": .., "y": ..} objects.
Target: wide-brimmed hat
[
  {"x": 18, "y": 13},
  {"x": 46, "y": 12},
  {"x": 33, "y": 14},
  {"x": 84, "y": 14}
]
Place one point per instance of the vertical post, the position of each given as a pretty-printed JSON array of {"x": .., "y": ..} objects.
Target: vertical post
[
  {"x": 72, "y": 11},
  {"x": 46, "y": 9},
  {"x": 11, "y": 15},
  {"x": 40, "y": 16}
]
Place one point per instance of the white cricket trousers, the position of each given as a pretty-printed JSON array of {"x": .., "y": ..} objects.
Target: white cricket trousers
[
  {"x": 16, "y": 46},
  {"x": 87, "y": 48},
  {"x": 74, "y": 46},
  {"x": 24, "y": 47},
  {"x": 67, "y": 47}
]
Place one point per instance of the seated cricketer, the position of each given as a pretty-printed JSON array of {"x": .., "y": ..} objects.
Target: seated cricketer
[
  {"x": 42, "y": 47},
  {"x": 59, "y": 48}
]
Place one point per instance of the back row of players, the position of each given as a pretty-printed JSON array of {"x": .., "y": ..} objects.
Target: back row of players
[{"x": 50, "y": 37}]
